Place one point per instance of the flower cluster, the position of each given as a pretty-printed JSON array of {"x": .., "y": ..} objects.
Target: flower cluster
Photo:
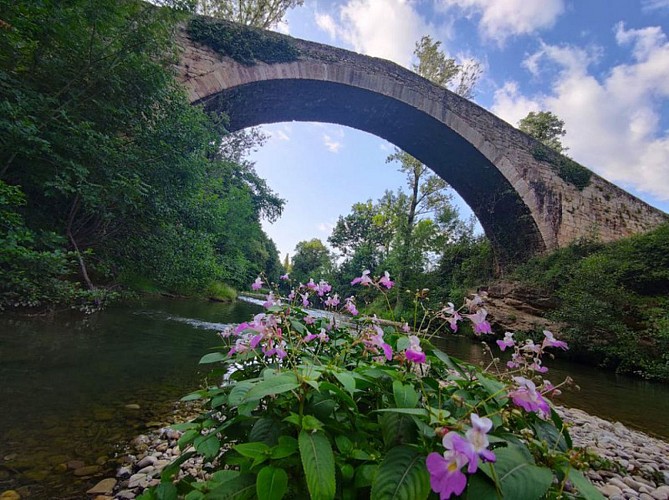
[
  {"x": 446, "y": 476},
  {"x": 263, "y": 332},
  {"x": 477, "y": 314}
]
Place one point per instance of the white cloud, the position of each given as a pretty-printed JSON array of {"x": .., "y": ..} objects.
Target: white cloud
[
  {"x": 327, "y": 24},
  {"x": 332, "y": 145},
  {"x": 510, "y": 106},
  {"x": 504, "y": 18},
  {"x": 380, "y": 28},
  {"x": 325, "y": 227},
  {"x": 612, "y": 123},
  {"x": 655, "y": 4}
]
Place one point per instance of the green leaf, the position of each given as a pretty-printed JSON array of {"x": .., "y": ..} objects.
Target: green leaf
[
  {"x": 213, "y": 357},
  {"x": 170, "y": 470},
  {"x": 318, "y": 464},
  {"x": 193, "y": 396},
  {"x": 165, "y": 491},
  {"x": 405, "y": 395},
  {"x": 276, "y": 385},
  {"x": 364, "y": 475},
  {"x": 518, "y": 477},
  {"x": 242, "y": 487},
  {"x": 239, "y": 391},
  {"x": 299, "y": 327},
  {"x": 187, "y": 438},
  {"x": 420, "y": 412},
  {"x": 344, "y": 444},
  {"x": 449, "y": 362},
  {"x": 265, "y": 430},
  {"x": 584, "y": 486},
  {"x": 340, "y": 394},
  {"x": 321, "y": 406},
  {"x": 346, "y": 380},
  {"x": 286, "y": 447},
  {"x": 397, "y": 428},
  {"x": 494, "y": 388},
  {"x": 311, "y": 423},
  {"x": 272, "y": 483},
  {"x": 480, "y": 487},
  {"x": 402, "y": 475},
  {"x": 555, "y": 417},
  {"x": 208, "y": 445},
  {"x": 546, "y": 431},
  {"x": 252, "y": 450}
]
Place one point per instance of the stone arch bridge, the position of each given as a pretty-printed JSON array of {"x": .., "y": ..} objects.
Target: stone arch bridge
[{"x": 527, "y": 198}]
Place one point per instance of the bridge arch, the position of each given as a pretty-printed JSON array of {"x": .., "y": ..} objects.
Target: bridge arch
[{"x": 519, "y": 197}]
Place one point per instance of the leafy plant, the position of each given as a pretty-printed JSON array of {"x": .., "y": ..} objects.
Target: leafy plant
[{"x": 337, "y": 407}]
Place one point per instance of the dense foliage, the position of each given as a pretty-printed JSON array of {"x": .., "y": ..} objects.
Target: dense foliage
[
  {"x": 108, "y": 174},
  {"x": 613, "y": 299},
  {"x": 315, "y": 407}
]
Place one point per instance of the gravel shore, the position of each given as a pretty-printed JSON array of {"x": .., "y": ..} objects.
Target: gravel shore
[{"x": 634, "y": 465}]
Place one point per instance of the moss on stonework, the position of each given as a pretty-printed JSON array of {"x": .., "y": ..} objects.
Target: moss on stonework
[
  {"x": 567, "y": 169},
  {"x": 244, "y": 44}
]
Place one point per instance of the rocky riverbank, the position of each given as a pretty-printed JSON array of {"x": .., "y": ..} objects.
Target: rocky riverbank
[{"x": 633, "y": 465}]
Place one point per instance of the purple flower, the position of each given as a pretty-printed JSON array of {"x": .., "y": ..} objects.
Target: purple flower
[
  {"x": 322, "y": 336},
  {"x": 332, "y": 301},
  {"x": 323, "y": 287},
  {"x": 311, "y": 285},
  {"x": 271, "y": 301},
  {"x": 480, "y": 323},
  {"x": 309, "y": 320},
  {"x": 516, "y": 361},
  {"x": 406, "y": 328},
  {"x": 536, "y": 366},
  {"x": 305, "y": 299},
  {"x": 350, "y": 306},
  {"x": 284, "y": 277},
  {"x": 257, "y": 284},
  {"x": 385, "y": 280},
  {"x": 446, "y": 478},
  {"x": 507, "y": 341},
  {"x": 527, "y": 397},
  {"x": 363, "y": 280},
  {"x": 551, "y": 341},
  {"x": 414, "y": 353},
  {"x": 478, "y": 440}
]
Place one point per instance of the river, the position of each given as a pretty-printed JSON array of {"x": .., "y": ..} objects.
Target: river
[{"x": 73, "y": 389}]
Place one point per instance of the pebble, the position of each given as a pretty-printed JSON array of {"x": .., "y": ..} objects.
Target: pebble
[{"x": 104, "y": 487}]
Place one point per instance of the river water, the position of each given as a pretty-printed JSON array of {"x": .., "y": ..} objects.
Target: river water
[{"x": 72, "y": 389}]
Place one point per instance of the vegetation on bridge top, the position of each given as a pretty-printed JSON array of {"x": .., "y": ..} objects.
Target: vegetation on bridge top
[{"x": 244, "y": 44}]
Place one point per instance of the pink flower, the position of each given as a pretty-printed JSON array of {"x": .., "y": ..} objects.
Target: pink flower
[
  {"x": 446, "y": 478},
  {"x": 478, "y": 439},
  {"x": 305, "y": 299},
  {"x": 322, "y": 336},
  {"x": 551, "y": 341},
  {"x": 507, "y": 341},
  {"x": 311, "y": 285},
  {"x": 414, "y": 353},
  {"x": 363, "y": 280},
  {"x": 479, "y": 321},
  {"x": 350, "y": 306},
  {"x": 271, "y": 301},
  {"x": 516, "y": 361},
  {"x": 322, "y": 288},
  {"x": 530, "y": 346},
  {"x": 284, "y": 277},
  {"x": 376, "y": 341},
  {"x": 332, "y": 301},
  {"x": 406, "y": 328},
  {"x": 257, "y": 284},
  {"x": 527, "y": 397},
  {"x": 536, "y": 366},
  {"x": 385, "y": 280},
  {"x": 309, "y": 320}
]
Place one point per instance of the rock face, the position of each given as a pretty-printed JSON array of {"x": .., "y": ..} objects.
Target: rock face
[
  {"x": 515, "y": 307},
  {"x": 528, "y": 199}
]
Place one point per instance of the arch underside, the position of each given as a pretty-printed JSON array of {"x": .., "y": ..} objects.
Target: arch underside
[{"x": 505, "y": 218}]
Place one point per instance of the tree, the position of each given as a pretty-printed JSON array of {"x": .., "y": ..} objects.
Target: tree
[
  {"x": 545, "y": 127},
  {"x": 311, "y": 260},
  {"x": 263, "y": 14},
  {"x": 443, "y": 71}
]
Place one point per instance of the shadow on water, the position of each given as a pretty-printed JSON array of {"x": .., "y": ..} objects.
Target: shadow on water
[{"x": 66, "y": 383}]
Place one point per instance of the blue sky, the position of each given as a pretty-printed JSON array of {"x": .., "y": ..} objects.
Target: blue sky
[{"x": 601, "y": 65}]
